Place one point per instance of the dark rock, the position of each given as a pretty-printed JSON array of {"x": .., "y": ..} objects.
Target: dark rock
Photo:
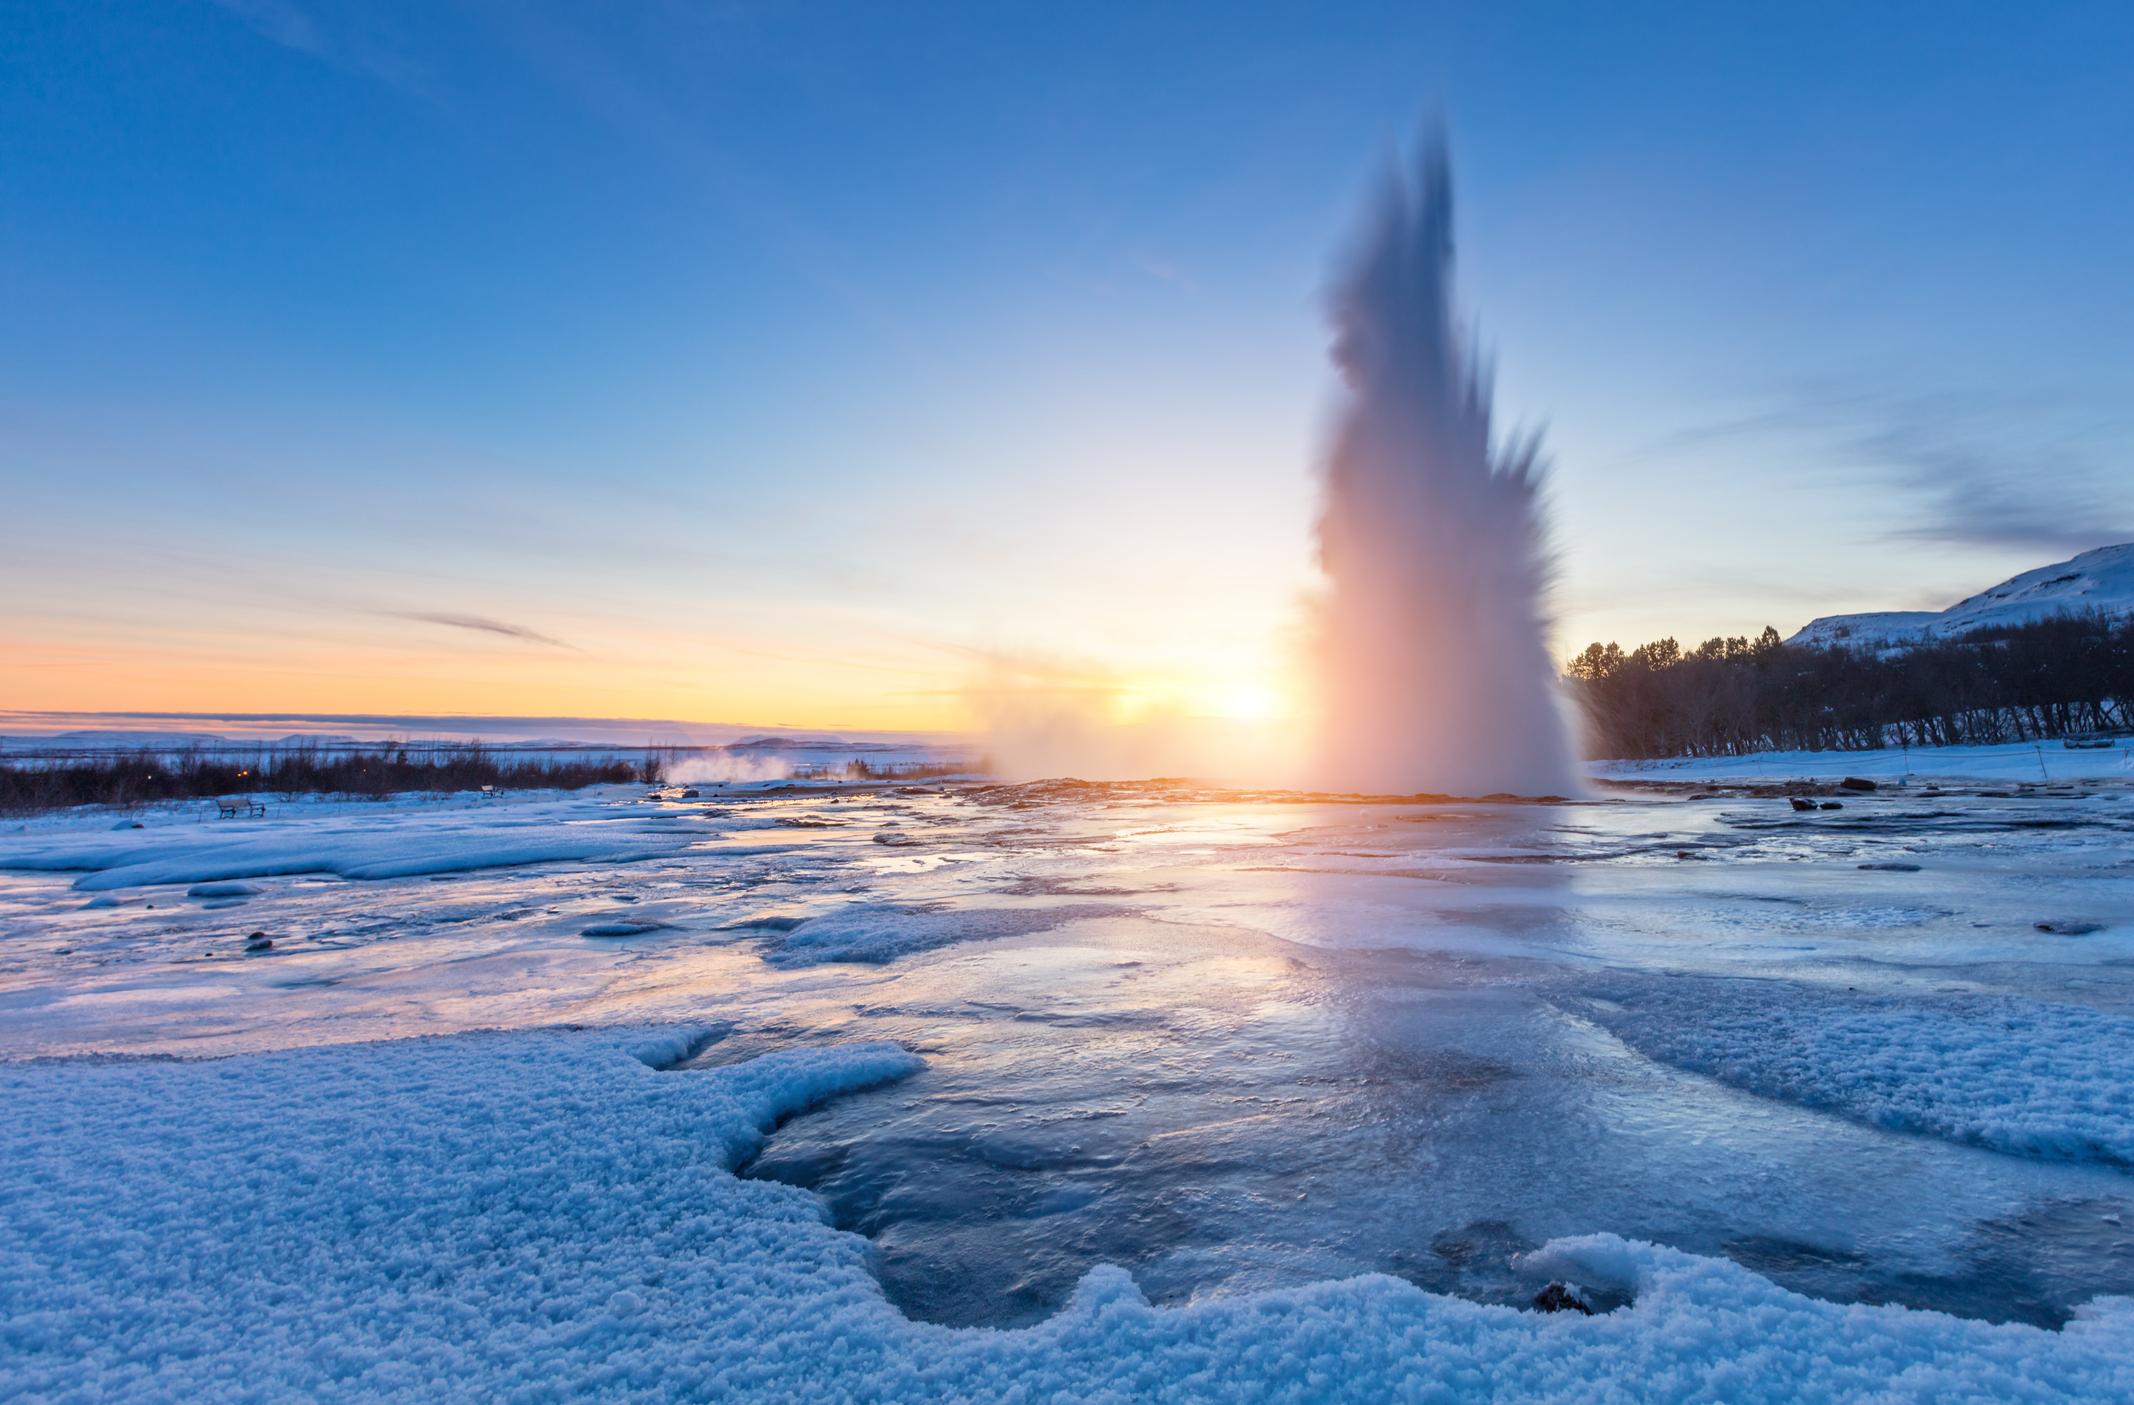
[
  {"x": 1857, "y": 783},
  {"x": 2069, "y": 929},
  {"x": 1800, "y": 804},
  {"x": 259, "y": 941},
  {"x": 1891, "y": 866},
  {"x": 1831, "y": 805},
  {"x": 1560, "y": 1296},
  {"x": 691, "y": 794}
]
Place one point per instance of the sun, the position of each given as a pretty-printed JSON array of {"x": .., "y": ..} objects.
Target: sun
[{"x": 1243, "y": 702}]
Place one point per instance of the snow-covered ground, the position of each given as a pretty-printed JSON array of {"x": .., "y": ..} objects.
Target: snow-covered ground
[
  {"x": 1199, "y": 1096},
  {"x": 2036, "y": 763}
]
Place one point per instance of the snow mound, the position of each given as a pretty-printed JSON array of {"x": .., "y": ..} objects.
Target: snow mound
[
  {"x": 226, "y": 888},
  {"x": 398, "y": 847},
  {"x": 622, "y": 929},
  {"x": 2101, "y": 581},
  {"x": 547, "y": 1216},
  {"x": 2023, "y": 1077},
  {"x": 881, "y": 932}
]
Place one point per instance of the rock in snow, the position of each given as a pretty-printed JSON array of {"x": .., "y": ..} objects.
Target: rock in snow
[{"x": 1560, "y": 1296}]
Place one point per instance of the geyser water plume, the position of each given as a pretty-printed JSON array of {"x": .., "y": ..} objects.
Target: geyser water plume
[{"x": 1432, "y": 660}]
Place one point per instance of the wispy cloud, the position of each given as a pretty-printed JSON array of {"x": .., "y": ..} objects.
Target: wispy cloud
[
  {"x": 1166, "y": 271},
  {"x": 480, "y": 624},
  {"x": 1982, "y": 469},
  {"x": 1976, "y": 493},
  {"x": 299, "y": 29}
]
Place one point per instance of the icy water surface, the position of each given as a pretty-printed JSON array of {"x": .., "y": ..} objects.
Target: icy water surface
[{"x": 1233, "y": 1042}]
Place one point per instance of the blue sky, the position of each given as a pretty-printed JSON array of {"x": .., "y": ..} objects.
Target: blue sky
[{"x": 803, "y": 363}]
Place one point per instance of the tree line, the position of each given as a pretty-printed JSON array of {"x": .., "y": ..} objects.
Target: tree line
[
  {"x": 2062, "y": 676},
  {"x": 30, "y": 784}
]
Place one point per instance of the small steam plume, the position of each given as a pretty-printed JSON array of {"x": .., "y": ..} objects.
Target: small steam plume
[
  {"x": 729, "y": 766},
  {"x": 1434, "y": 671}
]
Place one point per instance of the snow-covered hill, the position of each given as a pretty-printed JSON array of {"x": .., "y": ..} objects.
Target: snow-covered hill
[{"x": 2100, "y": 580}]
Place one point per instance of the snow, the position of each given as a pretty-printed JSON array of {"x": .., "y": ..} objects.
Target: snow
[
  {"x": 2101, "y": 581},
  {"x": 2019, "y": 1076},
  {"x": 368, "y": 842},
  {"x": 547, "y": 1215},
  {"x": 2022, "y": 762}
]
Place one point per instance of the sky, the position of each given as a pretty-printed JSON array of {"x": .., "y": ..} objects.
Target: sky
[{"x": 832, "y": 365}]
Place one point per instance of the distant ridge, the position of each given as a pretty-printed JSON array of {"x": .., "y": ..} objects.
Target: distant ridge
[{"x": 2100, "y": 581}]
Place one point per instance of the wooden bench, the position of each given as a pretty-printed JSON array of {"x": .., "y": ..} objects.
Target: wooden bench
[{"x": 232, "y": 807}]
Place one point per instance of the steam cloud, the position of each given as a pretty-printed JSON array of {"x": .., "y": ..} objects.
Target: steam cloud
[{"x": 1432, "y": 660}]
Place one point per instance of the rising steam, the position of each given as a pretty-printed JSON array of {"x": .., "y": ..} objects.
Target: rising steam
[{"x": 1432, "y": 663}]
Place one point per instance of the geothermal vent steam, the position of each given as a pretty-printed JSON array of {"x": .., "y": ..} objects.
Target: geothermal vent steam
[{"x": 1432, "y": 632}]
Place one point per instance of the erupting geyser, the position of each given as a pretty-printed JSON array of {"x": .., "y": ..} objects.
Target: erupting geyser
[{"x": 1432, "y": 660}]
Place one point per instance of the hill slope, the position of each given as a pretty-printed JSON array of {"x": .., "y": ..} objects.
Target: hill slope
[{"x": 2100, "y": 580}]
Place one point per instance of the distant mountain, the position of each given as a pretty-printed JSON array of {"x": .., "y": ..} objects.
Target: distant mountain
[
  {"x": 43, "y": 730},
  {"x": 2100, "y": 581}
]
